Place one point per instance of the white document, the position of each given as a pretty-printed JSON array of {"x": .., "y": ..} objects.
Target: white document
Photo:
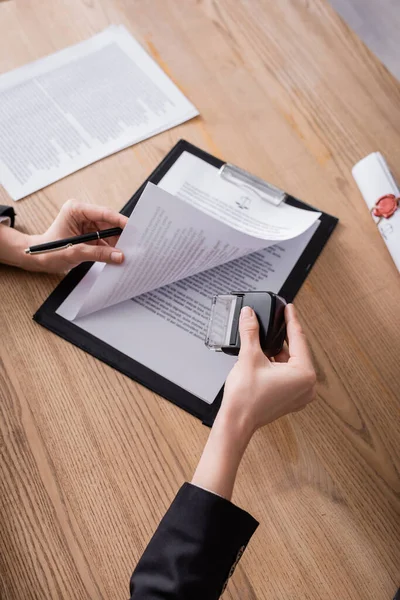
[
  {"x": 169, "y": 238},
  {"x": 178, "y": 240},
  {"x": 200, "y": 184},
  {"x": 165, "y": 329},
  {"x": 165, "y": 240},
  {"x": 74, "y": 107}
]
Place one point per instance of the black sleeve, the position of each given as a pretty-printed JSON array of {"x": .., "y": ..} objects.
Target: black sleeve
[
  {"x": 8, "y": 211},
  {"x": 194, "y": 550}
]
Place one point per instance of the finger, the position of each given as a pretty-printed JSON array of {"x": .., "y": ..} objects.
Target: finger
[
  {"x": 283, "y": 355},
  {"x": 83, "y": 213},
  {"x": 85, "y": 252},
  {"x": 298, "y": 347},
  {"x": 249, "y": 331}
]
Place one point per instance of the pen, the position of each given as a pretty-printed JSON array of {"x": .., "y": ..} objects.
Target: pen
[{"x": 71, "y": 241}]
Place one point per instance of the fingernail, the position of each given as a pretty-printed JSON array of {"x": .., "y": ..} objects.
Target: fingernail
[
  {"x": 116, "y": 257},
  {"x": 246, "y": 312}
]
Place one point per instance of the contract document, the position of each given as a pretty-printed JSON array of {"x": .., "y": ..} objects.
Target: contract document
[
  {"x": 72, "y": 108},
  {"x": 188, "y": 238}
]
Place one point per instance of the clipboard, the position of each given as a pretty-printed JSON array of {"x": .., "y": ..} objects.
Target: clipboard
[{"x": 48, "y": 318}]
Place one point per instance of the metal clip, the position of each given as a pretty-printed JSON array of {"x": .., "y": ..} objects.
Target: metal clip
[{"x": 240, "y": 177}]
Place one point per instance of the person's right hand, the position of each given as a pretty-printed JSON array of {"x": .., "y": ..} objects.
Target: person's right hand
[
  {"x": 76, "y": 218},
  {"x": 258, "y": 390}
]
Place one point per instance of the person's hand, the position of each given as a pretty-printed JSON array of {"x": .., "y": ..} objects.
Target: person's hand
[
  {"x": 73, "y": 219},
  {"x": 258, "y": 390}
]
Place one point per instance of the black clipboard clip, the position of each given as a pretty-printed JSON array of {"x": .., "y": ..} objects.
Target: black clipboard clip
[{"x": 252, "y": 183}]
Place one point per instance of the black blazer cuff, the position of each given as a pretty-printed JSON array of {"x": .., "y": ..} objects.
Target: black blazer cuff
[
  {"x": 8, "y": 211},
  {"x": 195, "y": 548}
]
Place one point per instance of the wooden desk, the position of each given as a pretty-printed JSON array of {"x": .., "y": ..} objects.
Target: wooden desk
[{"x": 89, "y": 459}]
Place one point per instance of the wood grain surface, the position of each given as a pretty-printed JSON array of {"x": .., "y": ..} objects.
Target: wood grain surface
[{"x": 90, "y": 460}]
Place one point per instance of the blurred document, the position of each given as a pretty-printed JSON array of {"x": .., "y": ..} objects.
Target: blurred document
[{"x": 72, "y": 108}]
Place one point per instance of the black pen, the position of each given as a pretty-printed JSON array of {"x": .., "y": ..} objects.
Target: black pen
[{"x": 71, "y": 241}]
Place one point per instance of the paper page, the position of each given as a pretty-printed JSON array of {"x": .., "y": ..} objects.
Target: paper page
[
  {"x": 72, "y": 108},
  {"x": 170, "y": 237},
  {"x": 199, "y": 183},
  {"x": 165, "y": 240},
  {"x": 164, "y": 330}
]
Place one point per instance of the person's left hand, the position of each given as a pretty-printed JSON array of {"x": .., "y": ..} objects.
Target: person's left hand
[{"x": 76, "y": 218}]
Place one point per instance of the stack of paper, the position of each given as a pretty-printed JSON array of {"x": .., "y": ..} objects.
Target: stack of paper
[
  {"x": 70, "y": 109},
  {"x": 188, "y": 238}
]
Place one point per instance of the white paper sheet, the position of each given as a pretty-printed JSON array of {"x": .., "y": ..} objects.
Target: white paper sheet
[
  {"x": 164, "y": 330},
  {"x": 191, "y": 222},
  {"x": 169, "y": 238},
  {"x": 200, "y": 184},
  {"x": 165, "y": 240},
  {"x": 72, "y": 108}
]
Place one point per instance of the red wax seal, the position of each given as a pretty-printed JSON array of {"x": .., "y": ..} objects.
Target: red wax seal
[{"x": 386, "y": 206}]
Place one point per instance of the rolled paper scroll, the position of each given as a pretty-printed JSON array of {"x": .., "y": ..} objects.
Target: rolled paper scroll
[{"x": 382, "y": 196}]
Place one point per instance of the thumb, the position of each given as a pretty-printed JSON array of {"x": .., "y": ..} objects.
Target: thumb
[
  {"x": 84, "y": 252},
  {"x": 249, "y": 330}
]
